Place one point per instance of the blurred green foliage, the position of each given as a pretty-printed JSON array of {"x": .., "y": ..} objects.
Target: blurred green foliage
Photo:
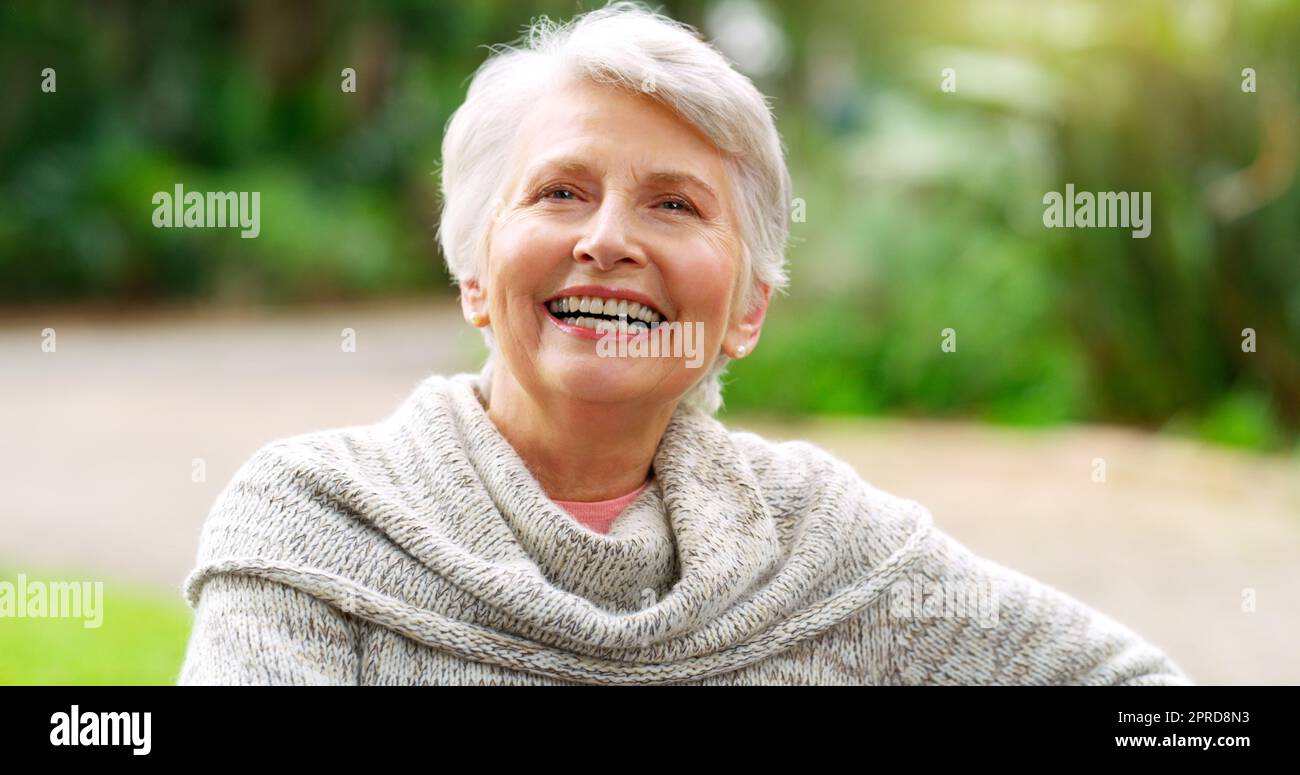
[
  {"x": 923, "y": 207},
  {"x": 141, "y": 640}
]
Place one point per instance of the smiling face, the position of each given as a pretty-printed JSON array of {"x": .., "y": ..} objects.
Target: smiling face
[{"x": 611, "y": 196}]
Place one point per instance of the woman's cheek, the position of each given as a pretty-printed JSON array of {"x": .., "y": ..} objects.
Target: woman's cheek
[
  {"x": 709, "y": 283},
  {"x": 512, "y": 244}
]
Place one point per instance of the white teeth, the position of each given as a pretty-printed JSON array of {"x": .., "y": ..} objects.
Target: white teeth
[
  {"x": 603, "y": 306},
  {"x": 600, "y": 324}
]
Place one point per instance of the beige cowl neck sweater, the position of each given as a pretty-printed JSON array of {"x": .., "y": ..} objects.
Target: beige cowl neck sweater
[{"x": 421, "y": 550}]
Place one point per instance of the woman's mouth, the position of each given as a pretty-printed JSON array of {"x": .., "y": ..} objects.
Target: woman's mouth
[{"x": 593, "y": 317}]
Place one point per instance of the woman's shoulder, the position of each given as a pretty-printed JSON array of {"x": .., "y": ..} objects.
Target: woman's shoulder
[
  {"x": 769, "y": 453},
  {"x": 289, "y": 501},
  {"x": 301, "y": 462},
  {"x": 798, "y": 477},
  {"x": 344, "y": 449},
  {"x": 791, "y": 461}
]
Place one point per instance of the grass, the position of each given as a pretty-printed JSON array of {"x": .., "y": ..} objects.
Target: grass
[{"x": 141, "y": 638}]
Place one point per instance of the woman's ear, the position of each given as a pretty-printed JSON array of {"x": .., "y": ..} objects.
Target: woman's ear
[
  {"x": 742, "y": 338},
  {"x": 473, "y": 302}
]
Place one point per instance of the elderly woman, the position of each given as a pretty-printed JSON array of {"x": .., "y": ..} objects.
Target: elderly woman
[{"x": 615, "y": 198}]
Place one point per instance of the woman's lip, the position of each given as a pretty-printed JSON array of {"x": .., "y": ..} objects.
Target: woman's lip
[
  {"x": 608, "y": 292},
  {"x": 582, "y": 332}
]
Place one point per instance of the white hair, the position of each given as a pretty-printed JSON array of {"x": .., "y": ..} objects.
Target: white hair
[{"x": 628, "y": 46}]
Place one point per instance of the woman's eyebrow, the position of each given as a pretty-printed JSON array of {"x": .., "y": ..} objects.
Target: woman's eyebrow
[
  {"x": 560, "y": 166},
  {"x": 580, "y": 168},
  {"x": 673, "y": 178}
]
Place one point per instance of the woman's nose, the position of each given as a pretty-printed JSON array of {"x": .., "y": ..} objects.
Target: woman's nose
[{"x": 609, "y": 237}]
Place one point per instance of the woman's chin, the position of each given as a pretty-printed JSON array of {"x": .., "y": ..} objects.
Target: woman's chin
[{"x": 606, "y": 380}]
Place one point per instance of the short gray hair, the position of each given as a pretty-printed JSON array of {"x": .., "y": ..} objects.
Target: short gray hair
[{"x": 628, "y": 46}]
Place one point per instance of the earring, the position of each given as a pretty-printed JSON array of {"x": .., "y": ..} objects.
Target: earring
[
  {"x": 479, "y": 319},
  {"x": 741, "y": 350}
]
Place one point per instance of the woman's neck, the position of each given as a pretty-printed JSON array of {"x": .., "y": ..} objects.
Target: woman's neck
[{"x": 578, "y": 450}]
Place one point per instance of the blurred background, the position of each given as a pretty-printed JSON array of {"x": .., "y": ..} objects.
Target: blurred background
[{"x": 919, "y": 208}]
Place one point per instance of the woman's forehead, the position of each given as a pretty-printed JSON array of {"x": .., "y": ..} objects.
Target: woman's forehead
[{"x": 585, "y": 127}]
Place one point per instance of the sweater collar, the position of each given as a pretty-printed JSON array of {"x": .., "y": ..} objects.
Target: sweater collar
[{"x": 696, "y": 540}]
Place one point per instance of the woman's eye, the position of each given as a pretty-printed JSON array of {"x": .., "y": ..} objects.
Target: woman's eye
[
  {"x": 563, "y": 194},
  {"x": 677, "y": 205}
]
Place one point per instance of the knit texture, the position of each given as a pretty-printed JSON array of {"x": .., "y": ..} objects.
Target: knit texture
[{"x": 421, "y": 550}]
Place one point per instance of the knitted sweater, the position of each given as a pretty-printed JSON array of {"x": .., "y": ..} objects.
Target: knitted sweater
[{"x": 421, "y": 550}]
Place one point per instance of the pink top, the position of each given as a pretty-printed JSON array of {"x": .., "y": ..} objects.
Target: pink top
[{"x": 599, "y": 515}]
